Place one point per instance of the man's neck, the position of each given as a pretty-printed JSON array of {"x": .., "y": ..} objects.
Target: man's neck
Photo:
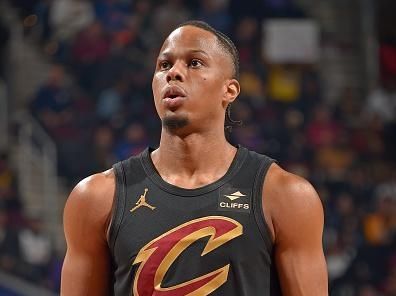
[{"x": 193, "y": 161}]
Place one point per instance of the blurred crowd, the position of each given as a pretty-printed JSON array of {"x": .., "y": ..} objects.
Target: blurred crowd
[
  {"x": 26, "y": 250},
  {"x": 97, "y": 105}
]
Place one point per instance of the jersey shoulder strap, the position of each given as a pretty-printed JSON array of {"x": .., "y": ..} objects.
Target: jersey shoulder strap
[
  {"x": 258, "y": 201},
  {"x": 125, "y": 171}
]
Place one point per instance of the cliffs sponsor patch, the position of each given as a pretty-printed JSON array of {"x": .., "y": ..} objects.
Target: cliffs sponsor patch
[{"x": 234, "y": 200}]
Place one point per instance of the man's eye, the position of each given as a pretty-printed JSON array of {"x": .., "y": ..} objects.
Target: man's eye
[
  {"x": 164, "y": 65},
  {"x": 195, "y": 63}
]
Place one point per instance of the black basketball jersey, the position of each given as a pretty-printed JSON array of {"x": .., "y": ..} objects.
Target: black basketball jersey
[{"x": 213, "y": 240}]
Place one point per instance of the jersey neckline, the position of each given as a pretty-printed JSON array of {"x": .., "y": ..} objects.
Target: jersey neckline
[{"x": 155, "y": 177}]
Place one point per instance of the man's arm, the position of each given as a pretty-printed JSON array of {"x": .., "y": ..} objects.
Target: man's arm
[
  {"x": 86, "y": 268},
  {"x": 294, "y": 214}
]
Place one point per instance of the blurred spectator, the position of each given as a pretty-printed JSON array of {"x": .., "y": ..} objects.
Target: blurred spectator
[
  {"x": 102, "y": 149},
  {"x": 360, "y": 186},
  {"x": 52, "y": 101},
  {"x": 310, "y": 94},
  {"x": 68, "y": 17},
  {"x": 90, "y": 50},
  {"x": 215, "y": 13},
  {"x": 341, "y": 236},
  {"x": 338, "y": 259},
  {"x": 381, "y": 102},
  {"x": 111, "y": 100},
  {"x": 389, "y": 285},
  {"x": 8, "y": 241},
  {"x": 113, "y": 14},
  {"x": 55, "y": 270},
  {"x": 39, "y": 21},
  {"x": 388, "y": 59},
  {"x": 293, "y": 141},
  {"x": 35, "y": 251},
  {"x": 336, "y": 157},
  {"x": 133, "y": 142},
  {"x": 284, "y": 83},
  {"x": 252, "y": 85},
  {"x": 380, "y": 226},
  {"x": 368, "y": 290},
  {"x": 9, "y": 200},
  {"x": 247, "y": 136},
  {"x": 246, "y": 36},
  {"x": 348, "y": 110},
  {"x": 141, "y": 17},
  {"x": 165, "y": 19},
  {"x": 63, "y": 112},
  {"x": 322, "y": 130}
]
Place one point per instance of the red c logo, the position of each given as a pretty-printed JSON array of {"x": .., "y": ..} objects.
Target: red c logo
[{"x": 158, "y": 255}]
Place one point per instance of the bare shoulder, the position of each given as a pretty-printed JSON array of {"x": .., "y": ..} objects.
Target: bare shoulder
[
  {"x": 287, "y": 187},
  {"x": 92, "y": 199},
  {"x": 294, "y": 214},
  {"x": 289, "y": 202},
  {"x": 86, "y": 268},
  {"x": 95, "y": 185}
]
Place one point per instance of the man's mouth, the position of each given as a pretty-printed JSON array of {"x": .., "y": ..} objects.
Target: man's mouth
[
  {"x": 174, "y": 92},
  {"x": 173, "y": 97}
]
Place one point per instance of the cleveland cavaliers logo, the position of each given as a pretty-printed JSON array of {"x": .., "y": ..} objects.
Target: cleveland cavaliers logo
[{"x": 157, "y": 256}]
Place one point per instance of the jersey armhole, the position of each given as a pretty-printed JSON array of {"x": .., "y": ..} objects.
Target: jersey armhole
[
  {"x": 258, "y": 204},
  {"x": 117, "y": 212}
]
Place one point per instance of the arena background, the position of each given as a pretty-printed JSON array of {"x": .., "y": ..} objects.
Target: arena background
[{"x": 318, "y": 94}]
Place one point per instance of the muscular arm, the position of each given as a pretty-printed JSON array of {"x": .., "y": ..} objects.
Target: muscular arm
[
  {"x": 296, "y": 221},
  {"x": 86, "y": 268}
]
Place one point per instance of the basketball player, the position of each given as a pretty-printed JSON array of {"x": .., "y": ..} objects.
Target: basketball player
[{"x": 196, "y": 216}]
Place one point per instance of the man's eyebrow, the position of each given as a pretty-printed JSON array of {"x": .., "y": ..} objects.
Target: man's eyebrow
[
  {"x": 168, "y": 54},
  {"x": 199, "y": 51}
]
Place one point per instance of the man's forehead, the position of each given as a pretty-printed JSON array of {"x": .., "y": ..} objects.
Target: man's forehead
[{"x": 190, "y": 37}]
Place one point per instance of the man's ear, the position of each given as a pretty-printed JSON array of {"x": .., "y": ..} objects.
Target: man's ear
[{"x": 232, "y": 91}]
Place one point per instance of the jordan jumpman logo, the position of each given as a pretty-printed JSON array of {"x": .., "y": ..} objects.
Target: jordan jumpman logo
[{"x": 142, "y": 202}]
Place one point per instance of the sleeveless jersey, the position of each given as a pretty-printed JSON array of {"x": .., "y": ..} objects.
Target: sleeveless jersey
[{"x": 170, "y": 241}]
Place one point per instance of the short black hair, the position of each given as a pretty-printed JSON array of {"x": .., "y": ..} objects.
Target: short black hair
[{"x": 224, "y": 41}]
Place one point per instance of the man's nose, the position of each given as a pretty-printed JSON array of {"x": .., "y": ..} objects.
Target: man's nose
[{"x": 177, "y": 72}]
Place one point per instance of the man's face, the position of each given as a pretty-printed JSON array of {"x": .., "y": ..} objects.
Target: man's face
[{"x": 192, "y": 82}]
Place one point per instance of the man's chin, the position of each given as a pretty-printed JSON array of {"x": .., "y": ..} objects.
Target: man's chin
[{"x": 173, "y": 123}]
